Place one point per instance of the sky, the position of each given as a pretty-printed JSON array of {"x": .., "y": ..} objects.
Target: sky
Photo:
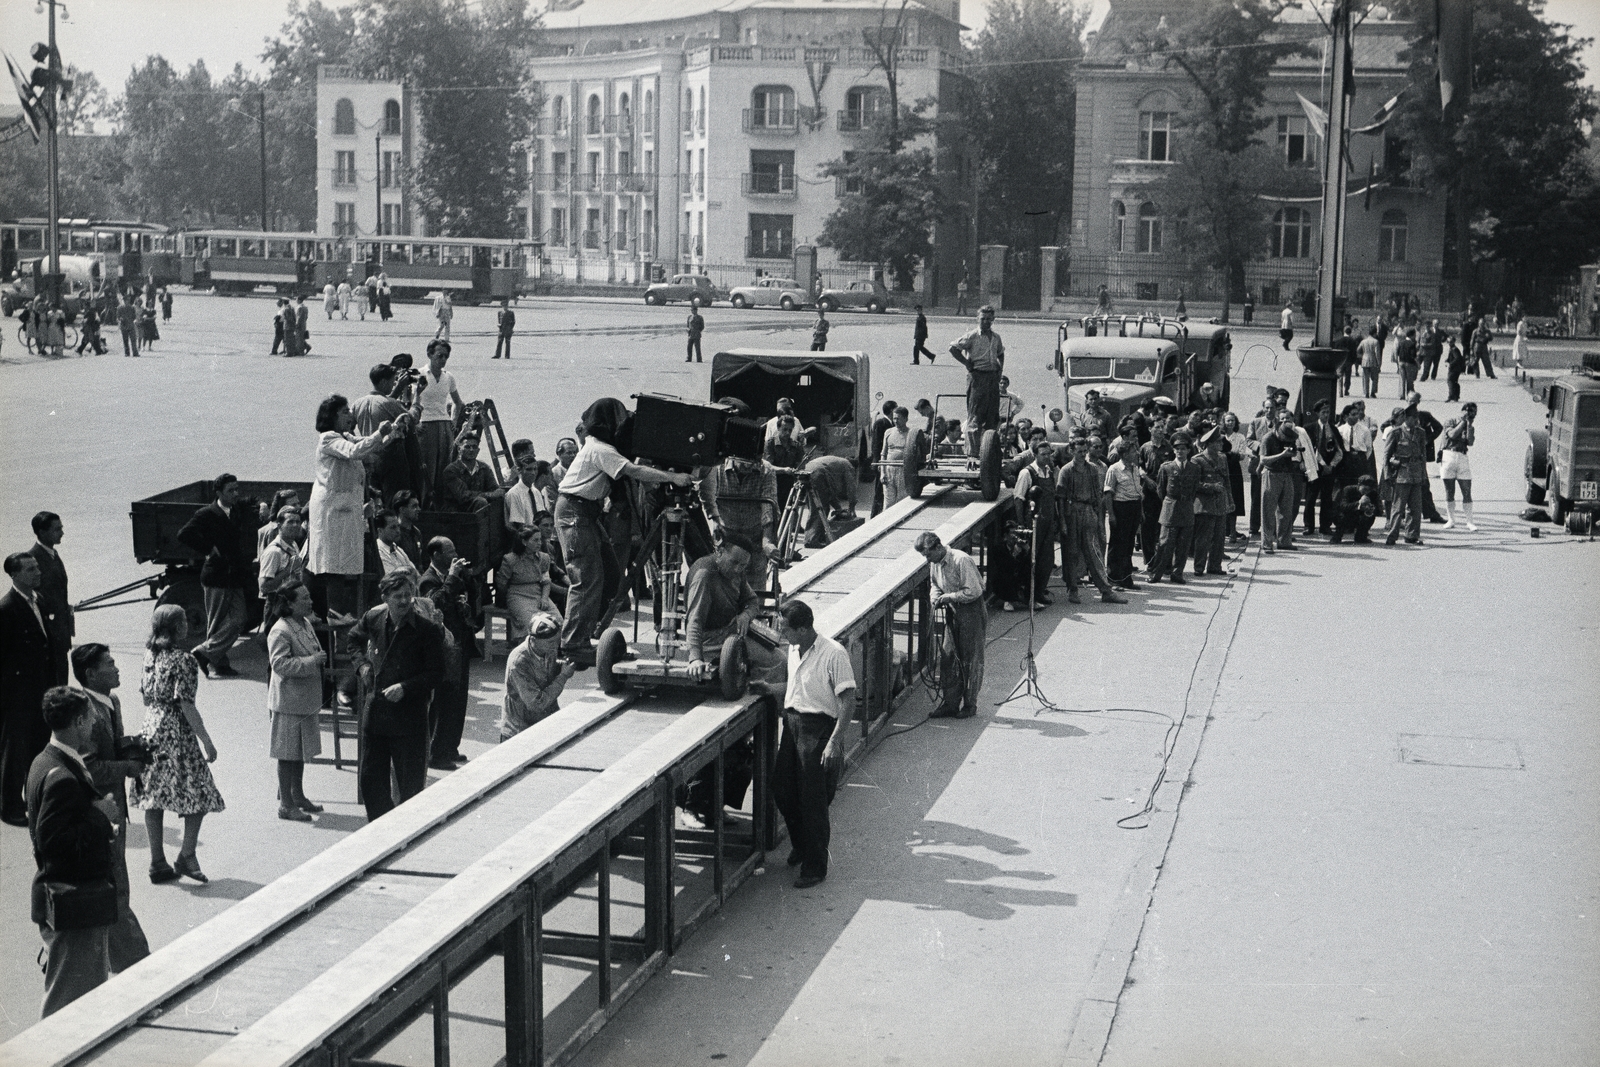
[{"x": 111, "y": 37}]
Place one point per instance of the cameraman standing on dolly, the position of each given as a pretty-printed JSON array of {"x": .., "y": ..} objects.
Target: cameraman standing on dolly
[
  {"x": 957, "y": 585},
  {"x": 578, "y": 511}
]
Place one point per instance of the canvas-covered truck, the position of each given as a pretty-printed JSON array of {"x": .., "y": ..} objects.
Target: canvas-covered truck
[{"x": 1128, "y": 359}]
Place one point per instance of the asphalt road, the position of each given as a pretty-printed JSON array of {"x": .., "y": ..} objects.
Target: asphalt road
[{"x": 1374, "y": 843}]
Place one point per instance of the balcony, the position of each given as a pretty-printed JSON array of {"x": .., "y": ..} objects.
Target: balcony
[
  {"x": 783, "y": 121},
  {"x": 843, "y": 186},
  {"x": 858, "y": 121},
  {"x": 344, "y": 178},
  {"x": 694, "y": 185},
  {"x": 553, "y": 182},
  {"x": 769, "y": 246},
  {"x": 591, "y": 239},
  {"x": 557, "y": 127},
  {"x": 779, "y": 185},
  {"x": 593, "y": 183},
  {"x": 620, "y": 125},
  {"x": 636, "y": 183},
  {"x": 690, "y": 246}
]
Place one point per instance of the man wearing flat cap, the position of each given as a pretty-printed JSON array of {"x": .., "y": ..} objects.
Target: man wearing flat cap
[
  {"x": 1177, "y": 483},
  {"x": 534, "y": 677}
]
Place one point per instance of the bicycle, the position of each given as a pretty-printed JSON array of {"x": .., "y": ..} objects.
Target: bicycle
[{"x": 34, "y": 347}]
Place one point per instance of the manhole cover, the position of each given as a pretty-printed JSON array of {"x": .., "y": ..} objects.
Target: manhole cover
[{"x": 1440, "y": 750}]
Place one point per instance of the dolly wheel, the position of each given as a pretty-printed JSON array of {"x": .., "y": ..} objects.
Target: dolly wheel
[
  {"x": 733, "y": 668},
  {"x": 613, "y": 649},
  {"x": 989, "y": 466}
]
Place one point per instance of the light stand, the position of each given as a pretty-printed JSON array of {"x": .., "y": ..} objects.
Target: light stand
[{"x": 1028, "y": 685}]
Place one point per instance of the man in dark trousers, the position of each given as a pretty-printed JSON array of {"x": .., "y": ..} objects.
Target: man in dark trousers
[
  {"x": 1035, "y": 494},
  {"x": 127, "y": 320},
  {"x": 984, "y": 355},
  {"x": 880, "y": 426},
  {"x": 224, "y": 532},
  {"x": 26, "y": 671},
  {"x": 300, "y": 314},
  {"x": 402, "y": 664},
  {"x": 277, "y": 327},
  {"x": 697, "y": 326},
  {"x": 506, "y": 319},
  {"x": 919, "y": 340},
  {"x": 53, "y": 599},
  {"x": 72, "y": 827},
  {"x": 817, "y": 688},
  {"x": 449, "y": 584},
  {"x": 1177, "y": 482},
  {"x": 819, "y": 332}
]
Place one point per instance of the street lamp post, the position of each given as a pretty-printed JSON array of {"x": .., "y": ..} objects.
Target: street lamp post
[
  {"x": 261, "y": 121},
  {"x": 52, "y": 105}
]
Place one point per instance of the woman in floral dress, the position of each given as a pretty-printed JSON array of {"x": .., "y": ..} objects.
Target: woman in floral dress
[
  {"x": 179, "y": 777},
  {"x": 524, "y": 574}
]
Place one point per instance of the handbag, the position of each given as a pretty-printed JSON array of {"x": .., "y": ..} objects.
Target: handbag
[{"x": 79, "y": 907}]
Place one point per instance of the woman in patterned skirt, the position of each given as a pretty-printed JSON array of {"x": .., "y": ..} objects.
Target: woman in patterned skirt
[{"x": 179, "y": 778}]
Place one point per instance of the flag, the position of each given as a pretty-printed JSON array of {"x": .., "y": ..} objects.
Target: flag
[
  {"x": 1381, "y": 117},
  {"x": 1316, "y": 116},
  {"x": 1372, "y": 174},
  {"x": 1452, "y": 30},
  {"x": 30, "y": 103}
]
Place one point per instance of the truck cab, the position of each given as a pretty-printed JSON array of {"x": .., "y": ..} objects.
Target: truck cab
[
  {"x": 1563, "y": 460},
  {"x": 1128, "y": 359}
]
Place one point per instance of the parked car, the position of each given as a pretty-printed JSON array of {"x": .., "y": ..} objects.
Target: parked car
[
  {"x": 697, "y": 289},
  {"x": 769, "y": 292},
  {"x": 870, "y": 295}
]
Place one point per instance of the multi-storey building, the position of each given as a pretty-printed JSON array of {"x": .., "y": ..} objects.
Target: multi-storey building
[
  {"x": 366, "y": 133},
  {"x": 692, "y": 134},
  {"x": 1129, "y": 135}
]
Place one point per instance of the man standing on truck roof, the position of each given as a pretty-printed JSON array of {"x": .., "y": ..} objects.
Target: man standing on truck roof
[{"x": 984, "y": 355}]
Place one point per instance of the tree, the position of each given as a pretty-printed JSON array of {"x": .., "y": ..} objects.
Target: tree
[
  {"x": 77, "y": 110},
  {"x": 1513, "y": 160},
  {"x": 1021, "y": 116},
  {"x": 889, "y": 217},
  {"x": 313, "y": 35}
]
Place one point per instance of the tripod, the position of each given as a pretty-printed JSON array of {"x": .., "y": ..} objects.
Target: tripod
[{"x": 1028, "y": 685}]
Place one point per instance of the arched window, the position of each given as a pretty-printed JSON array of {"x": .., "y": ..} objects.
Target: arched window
[
  {"x": 344, "y": 118},
  {"x": 1291, "y": 233},
  {"x": 772, "y": 107},
  {"x": 1119, "y": 224},
  {"x": 1149, "y": 228},
  {"x": 1392, "y": 237},
  {"x": 649, "y": 116},
  {"x": 625, "y": 107},
  {"x": 391, "y": 118},
  {"x": 594, "y": 113},
  {"x": 700, "y": 119},
  {"x": 558, "y": 115}
]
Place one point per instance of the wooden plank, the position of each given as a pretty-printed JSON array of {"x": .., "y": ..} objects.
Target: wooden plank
[
  {"x": 820, "y": 561},
  {"x": 451, "y": 847},
  {"x": 600, "y": 747},
  {"x": 301, "y": 1023},
  {"x": 90, "y": 1019}
]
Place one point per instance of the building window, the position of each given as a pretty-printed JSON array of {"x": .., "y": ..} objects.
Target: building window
[
  {"x": 861, "y": 108},
  {"x": 772, "y": 107},
  {"x": 594, "y": 114},
  {"x": 647, "y": 243},
  {"x": 344, "y": 118},
  {"x": 558, "y": 225},
  {"x": 391, "y": 118},
  {"x": 591, "y": 228},
  {"x": 1155, "y": 136},
  {"x": 344, "y": 219},
  {"x": 1392, "y": 237},
  {"x": 1149, "y": 228},
  {"x": 849, "y": 184},
  {"x": 649, "y": 161},
  {"x": 1294, "y": 140},
  {"x": 344, "y": 168},
  {"x": 700, "y": 116},
  {"x": 558, "y": 115},
  {"x": 625, "y": 109},
  {"x": 649, "y": 116},
  {"x": 388, "y": 178},
  {"x": 770, "y": 237},
  {"x": 391, "y": 219},
  {"x": 522, "y": 221},
  {"x": 519, "y": 169},
  {"x": 1119, "y": 225},
  {"x": 621, "y": 242},
  {"x": 1291, "y": 233},
  {"x": 624, "y": 162}
]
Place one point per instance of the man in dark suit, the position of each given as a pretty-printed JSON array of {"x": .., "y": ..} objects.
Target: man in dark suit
[
  {"x": 72, "y": 827},
  {"x": 53, "y": 599},
  {"x": 25, "y": 674},
  {"x": 448, "y": 583},
  {"x": 224, "y": 533},
  {"x": 401, "y": 665}
]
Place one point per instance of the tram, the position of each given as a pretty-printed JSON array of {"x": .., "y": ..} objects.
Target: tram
[
  {"x": 471, "y": 270},
  {"x": 127, "y": 250}
]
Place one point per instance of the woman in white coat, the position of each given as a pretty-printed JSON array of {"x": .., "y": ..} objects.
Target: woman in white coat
[{"x": 338, "y": 522}]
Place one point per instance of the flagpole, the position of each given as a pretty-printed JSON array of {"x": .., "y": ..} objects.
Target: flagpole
[{"x": 1334, "y": 182}]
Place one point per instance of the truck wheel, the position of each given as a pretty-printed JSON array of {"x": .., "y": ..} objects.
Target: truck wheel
[
  {"x": 1556, "y": 506},
  {"x": 738, "y": 300},
  {"x": 187, "y": 594},
  {"x": 989, "y": 466},
  {"x": 612, "y": 649},
  {"x": 911, "y": 465},
  {"x": 1536, "y": 466},
  {"x": 733, "y": 668},
  {"x": 1535, "y": 493}
]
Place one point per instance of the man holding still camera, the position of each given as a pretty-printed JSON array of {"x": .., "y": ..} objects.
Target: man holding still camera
[{"x": 1280, "y": 456}]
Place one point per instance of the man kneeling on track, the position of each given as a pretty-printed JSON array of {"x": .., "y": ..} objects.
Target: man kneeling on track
[{"x": 957, "y": 585}]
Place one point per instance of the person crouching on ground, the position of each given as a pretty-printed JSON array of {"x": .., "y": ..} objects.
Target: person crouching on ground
[
  {"x": 1355, "y": 508},
  {"x": 534, "y": 676}
]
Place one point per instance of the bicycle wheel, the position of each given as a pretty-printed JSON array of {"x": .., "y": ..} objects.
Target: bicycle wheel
[{"x": 71, "y": 334}]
